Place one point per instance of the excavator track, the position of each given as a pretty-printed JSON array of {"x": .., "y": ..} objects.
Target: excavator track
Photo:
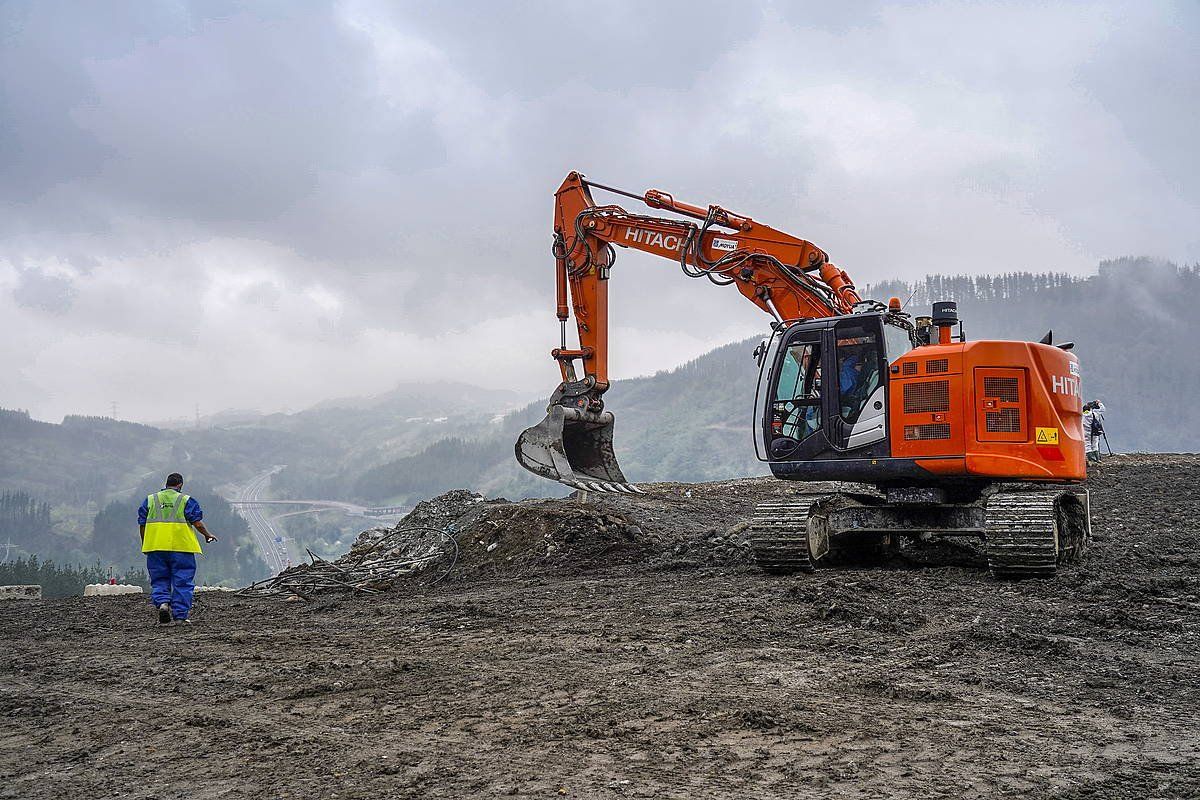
[
  {"x": 1028, "y": 534},
  {"x": 778, "y": 535}
]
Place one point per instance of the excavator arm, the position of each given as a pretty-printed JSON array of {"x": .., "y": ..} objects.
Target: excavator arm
[{"x": 787, "y": 277}]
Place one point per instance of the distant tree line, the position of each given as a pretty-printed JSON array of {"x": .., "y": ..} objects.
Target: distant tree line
[
  {"x": 23, "y": 517},
  {"x": 64, "y": 580},
  {"x": 25, "y": 524},
  {"x": 1023, "y": 285},
  {"x": 90, "y": 420},
  {"x": 961, "y": 288}
]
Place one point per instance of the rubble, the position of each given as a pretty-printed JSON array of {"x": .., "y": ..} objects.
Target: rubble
[
  {"x": 378, "y": 560},
  {"x": 576, "y": 536}
]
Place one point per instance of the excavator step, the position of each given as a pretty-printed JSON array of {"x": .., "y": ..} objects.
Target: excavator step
[{"x": 779, "y": 535}]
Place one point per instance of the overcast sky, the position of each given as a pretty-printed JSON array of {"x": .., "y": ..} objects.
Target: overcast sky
[{"x": 266, "y": 205}]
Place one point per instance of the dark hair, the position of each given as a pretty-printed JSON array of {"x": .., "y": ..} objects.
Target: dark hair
[{"x": 174, "y": 479}]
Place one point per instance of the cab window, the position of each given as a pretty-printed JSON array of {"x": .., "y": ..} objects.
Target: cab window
[
  {"x": 896, "y": 341},
  {"x": 858, "y": 357},
  {"x": 797, "y": 405}
]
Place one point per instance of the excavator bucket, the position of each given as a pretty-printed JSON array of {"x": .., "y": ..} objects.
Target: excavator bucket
[{"x": 574, "y": 447}]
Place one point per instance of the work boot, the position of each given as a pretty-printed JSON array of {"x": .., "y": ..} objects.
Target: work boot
[
  {"x": 185, "y": 622},
  {"x": 164, "y": 614}
]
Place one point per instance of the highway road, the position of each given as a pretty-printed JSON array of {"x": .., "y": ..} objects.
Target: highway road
[
  {"x": 349, "y": 509},
  {"x": 271, "y": 542},
  {"x": 249, "y": 503}
]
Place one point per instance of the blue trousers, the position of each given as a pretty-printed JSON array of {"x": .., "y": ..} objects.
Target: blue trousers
[{"x": 172, "y": 580}]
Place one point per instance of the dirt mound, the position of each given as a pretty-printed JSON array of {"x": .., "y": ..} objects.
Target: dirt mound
[
  {"x": 496, "y": 538},
  {"x": 578, "y": 535}
]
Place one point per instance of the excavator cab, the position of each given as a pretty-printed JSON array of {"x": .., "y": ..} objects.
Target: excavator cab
[{"x": 823, "y": 392}]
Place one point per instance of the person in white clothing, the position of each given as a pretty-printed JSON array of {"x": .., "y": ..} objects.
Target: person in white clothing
[{"x": 1093, "y": 429}]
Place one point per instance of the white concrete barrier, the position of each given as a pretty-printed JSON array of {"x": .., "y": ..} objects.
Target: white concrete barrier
[
  {"x": 109, "y": 589},
  {"x": 21, "y": 592}
]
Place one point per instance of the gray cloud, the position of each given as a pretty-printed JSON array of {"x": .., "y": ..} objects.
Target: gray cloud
[
  {"x": 41, "y": 292},
  {"x": 361, "y": 190}
]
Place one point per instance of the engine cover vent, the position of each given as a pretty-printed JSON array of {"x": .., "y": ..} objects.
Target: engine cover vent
[
  {"x": 938, "y": 430},
  {"x": 1006, "y": 420},
  {"x": 926, "y": 397},
  {"x": 1002, "y": 412},
  {"x": 936, "y": 365},
  {"x": 909, "y": 368},
  {"x": 1003, "y": 389}
]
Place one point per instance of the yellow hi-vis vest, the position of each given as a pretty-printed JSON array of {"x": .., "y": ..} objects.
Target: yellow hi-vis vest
[{"x": 166, "y": 528}]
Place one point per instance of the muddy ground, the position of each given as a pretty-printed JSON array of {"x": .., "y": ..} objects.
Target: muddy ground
[{"x": 625, "y": 649}]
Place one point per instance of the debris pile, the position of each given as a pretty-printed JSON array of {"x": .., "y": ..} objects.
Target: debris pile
[
  {"x": 378, "y": 560},
  {"x": 569, "y": 536},
  {"x": 466, "y": 536},
  {"x": 498, "y": 537}
]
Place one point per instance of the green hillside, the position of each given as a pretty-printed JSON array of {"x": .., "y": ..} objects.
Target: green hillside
[{"x": 690, "y": 423}]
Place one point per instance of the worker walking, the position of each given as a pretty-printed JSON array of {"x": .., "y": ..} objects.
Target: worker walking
[
  {"x": 166, "y": 520},
  {"x": 1093, "y": 429}
]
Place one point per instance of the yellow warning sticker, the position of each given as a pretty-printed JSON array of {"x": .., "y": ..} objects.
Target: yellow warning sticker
[{"x": 1047, "y": 436}]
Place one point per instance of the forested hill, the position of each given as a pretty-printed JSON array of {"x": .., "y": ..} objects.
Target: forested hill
[{"x": 1134, "y": 324}]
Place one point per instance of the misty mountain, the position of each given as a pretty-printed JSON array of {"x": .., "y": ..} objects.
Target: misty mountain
[
  {"x": 690, "y": 424},
  {"x": 75, "y": 470},
  {"x": 430, "y": 400},
  {"x": 407, "y": 400}
]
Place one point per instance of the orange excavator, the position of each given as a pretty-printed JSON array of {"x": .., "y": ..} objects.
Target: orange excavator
[{"x": 952, "y": 437}]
